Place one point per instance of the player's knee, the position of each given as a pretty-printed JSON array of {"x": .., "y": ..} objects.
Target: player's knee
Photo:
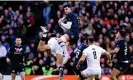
[
  {"x": 112, "y": 77},
  {"x": 63, "y": 38},
  {"x": 23, "y": 78},
  {"x": 22, "y": 74}
]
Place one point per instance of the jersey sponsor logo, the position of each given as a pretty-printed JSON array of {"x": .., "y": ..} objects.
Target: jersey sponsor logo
[
  {"x": 17, "y": 53},
  {"x": 18, "y": 49}
]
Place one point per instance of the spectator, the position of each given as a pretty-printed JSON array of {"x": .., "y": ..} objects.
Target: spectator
[
  {"x": 3, "y": 53},
  {"x": 46, "y": 12},
  {"x": 100, "y": 19}
]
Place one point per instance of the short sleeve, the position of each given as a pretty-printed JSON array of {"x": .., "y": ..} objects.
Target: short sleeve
[
  {"x": 85, "y": 52},
  {"x": 103, "y": 50}
]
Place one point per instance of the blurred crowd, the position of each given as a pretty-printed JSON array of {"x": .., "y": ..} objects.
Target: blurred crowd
[{"x": 101, "y": 19}]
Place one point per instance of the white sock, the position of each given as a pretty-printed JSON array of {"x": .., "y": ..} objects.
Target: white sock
[
  {"x": 66, "y": 55},
  {"x": 64, "y": 48}
]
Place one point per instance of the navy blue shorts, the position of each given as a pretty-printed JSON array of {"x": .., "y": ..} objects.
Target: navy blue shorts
[
  {"x": 122, "y": 66},
  {"x": 73, "y": 37},
  {"x": 17, "y": 68}
]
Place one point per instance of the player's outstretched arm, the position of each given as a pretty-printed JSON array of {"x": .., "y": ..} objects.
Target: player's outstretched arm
[
  {"x": 118, "y": 44},
  {"x": 109, "y": 62},
  {"x": 114, "y": 51},
  {"x": 82, "y": 59}
]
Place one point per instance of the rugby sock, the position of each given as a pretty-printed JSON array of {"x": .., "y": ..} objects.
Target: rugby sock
[
  {"x": 61, "y": 69},
  {"x": 66, "y": 55},
  {"x": 63, "y": 46}
]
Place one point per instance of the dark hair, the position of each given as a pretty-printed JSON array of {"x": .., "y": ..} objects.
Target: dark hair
[
  {"x": 83, "y": 37},
  {"x": 90, "y": 38},
  {"x": 67, "y": 5},
  {"x": 18, "y": 37},
  {"x": 122, "y": 33}
]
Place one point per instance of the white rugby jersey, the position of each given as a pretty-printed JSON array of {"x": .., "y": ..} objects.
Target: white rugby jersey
[{"x": 93, "y": 54}]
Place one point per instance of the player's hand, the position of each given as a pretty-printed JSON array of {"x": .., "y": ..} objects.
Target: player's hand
[
  {"x": 7, "y": 60},
  {"x": 60, "y": 21},
  {"x": 109, "y": 63},
  {"x": 77, "y": 66}
]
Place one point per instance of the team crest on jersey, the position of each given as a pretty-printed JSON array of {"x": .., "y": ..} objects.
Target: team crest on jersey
[
  {"x": 18, "y": 49},
  {"x": 72, "y": 36}
]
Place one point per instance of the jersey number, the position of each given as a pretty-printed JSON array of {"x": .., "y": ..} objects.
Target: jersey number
[
  {"x": 77, "y": 54},
  {"x": 94, "y": 53}
]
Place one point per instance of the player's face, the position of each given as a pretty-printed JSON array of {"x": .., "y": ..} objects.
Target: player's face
[
  {"x": 18, "y": 41},
  {"x": 67, "y": 10},
  {"x": 117, "y": 35}
]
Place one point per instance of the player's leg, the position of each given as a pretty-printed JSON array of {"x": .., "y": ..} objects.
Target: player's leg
[
  {"x": 115, "y": 73},
  {"x": 1, "y": 76},
  {"x": 97, "y": 74},
  {"x": 13, "y": 76},
  {"x": 42, "y": 47},
  {"x": 22, "y": 75},
  {"x": 66, "y": 56},
  {"x": 75, "y": 70},
  {"x": 42, "y": 44},
  {"x": 64, "y": 38},
  {"x": 124, "y": 68},
  {"x": 88, "y": 74},
  {"x": 21, "y": 71},
  {"x": 13, "y": 71},
  {"x": 90, "y": 78},
  {"x": 84, "y": 76},
  {"x": 69, "y": 37},
  {"x": 118, "y": 77},
  {"x": 59, "y": 63},
  {"x": 119, "y": 68},
  {"x": 59, "y": 57}
]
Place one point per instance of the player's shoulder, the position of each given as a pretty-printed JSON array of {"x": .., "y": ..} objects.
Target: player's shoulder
[
  {"x": 98, "y": 47},
  {"x": 72, "y": 14},
  {"x": 120, "y": 42},
  {"x": 95, "y": 47},
  {"x": 87, "y": 49},
  {"x": 82, "y": 46}
]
